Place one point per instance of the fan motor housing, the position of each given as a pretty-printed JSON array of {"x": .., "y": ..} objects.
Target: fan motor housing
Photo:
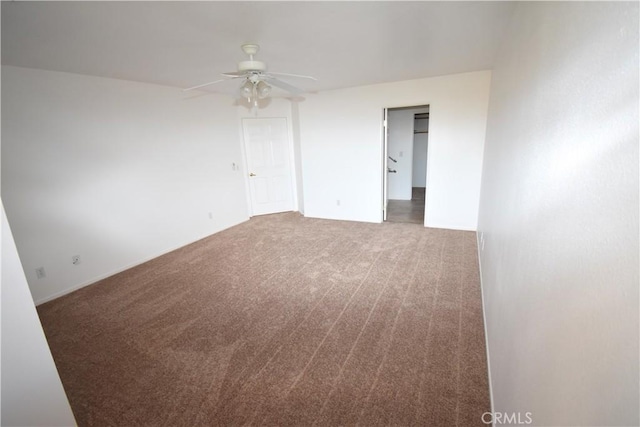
[{"x": 252, "y": 66}]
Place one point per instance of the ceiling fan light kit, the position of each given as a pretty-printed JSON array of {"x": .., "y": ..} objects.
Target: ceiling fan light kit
[
  {"x": 253, "y": 90},
  {"x": 246, "y": 90},
  {"x": 263, "y": 89},
  {"x": 256, "y": 85}
]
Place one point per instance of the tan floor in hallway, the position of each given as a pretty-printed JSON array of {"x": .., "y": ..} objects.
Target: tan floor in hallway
[
  {"x": 409, "y": 211},
  {"x": 282, "y": 320}
]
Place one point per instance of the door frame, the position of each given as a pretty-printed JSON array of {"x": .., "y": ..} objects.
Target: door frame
[
  {"x": 384, "y": 143},
  {"x": 385, "y": 163}
]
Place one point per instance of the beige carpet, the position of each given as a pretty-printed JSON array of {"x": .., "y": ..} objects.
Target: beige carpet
[{"x": 282, "y": 320}]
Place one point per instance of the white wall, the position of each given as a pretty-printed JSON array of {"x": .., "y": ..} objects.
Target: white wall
[
  {"x": 31, "y": 391},
  {"x": 341, "y": 135},
  {"x": 114, "y": 171},
  {"x": 559, "y": 215},
  {"x": 420, "y": 144},
  {"x": 400, "y": 148}
]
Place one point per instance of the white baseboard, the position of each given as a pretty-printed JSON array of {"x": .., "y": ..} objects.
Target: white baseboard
[{"x": 486, "y": 335}]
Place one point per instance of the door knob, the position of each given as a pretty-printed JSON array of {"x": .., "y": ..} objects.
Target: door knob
[{"x": 252, "y": 174}]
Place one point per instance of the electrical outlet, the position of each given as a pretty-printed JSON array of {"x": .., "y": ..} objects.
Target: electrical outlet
[
  {"x": 210, "y": 215},
  {"x": 40, "y": 273},
  {"x": 75, "y": 260},
  {"x": 338, "y": 202}
]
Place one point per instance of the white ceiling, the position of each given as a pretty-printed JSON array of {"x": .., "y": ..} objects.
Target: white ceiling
[{"x": 183, "y": 44}]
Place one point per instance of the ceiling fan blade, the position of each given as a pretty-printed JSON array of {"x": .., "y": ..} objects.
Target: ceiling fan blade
[
  {"x": 293, "y": 75},
  {"x": 203, "y": 85},
  {"x": 235, "y": 74},
  {"x": 286, "y": 86}
]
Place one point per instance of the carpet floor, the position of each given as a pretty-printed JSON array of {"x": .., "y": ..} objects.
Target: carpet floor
[{"x": 282, "y": 320}]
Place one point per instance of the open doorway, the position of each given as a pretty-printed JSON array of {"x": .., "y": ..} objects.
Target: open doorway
[{"x": 405, "y": 167}]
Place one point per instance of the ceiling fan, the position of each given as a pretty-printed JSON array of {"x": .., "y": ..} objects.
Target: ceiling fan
[{"x": 257, "y": 81}]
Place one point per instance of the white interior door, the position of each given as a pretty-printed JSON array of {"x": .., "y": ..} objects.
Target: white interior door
[
  {"x": 385, "y": 166},
  {"x": 267, "y": 149}
]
